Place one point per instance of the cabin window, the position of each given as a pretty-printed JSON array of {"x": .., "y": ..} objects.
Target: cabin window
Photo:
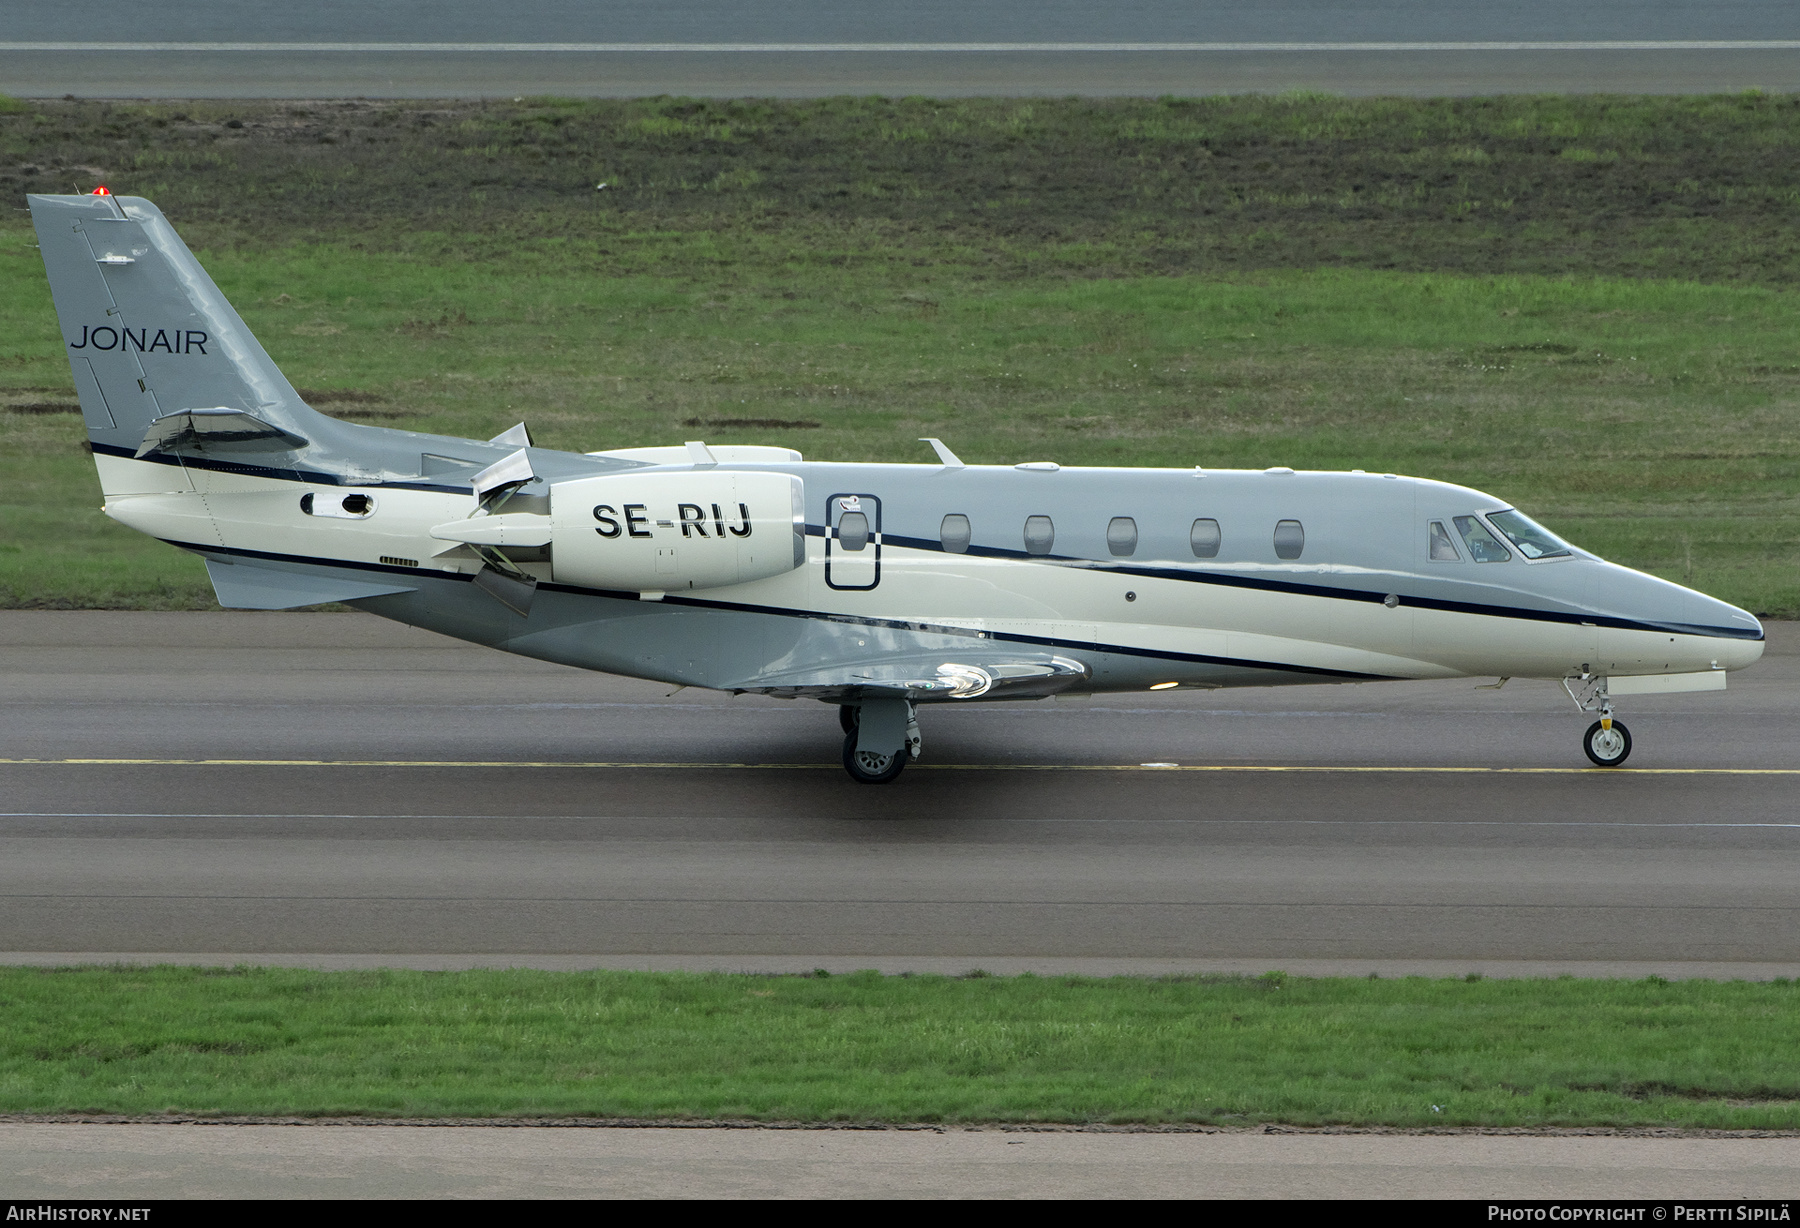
[
  {"x": 953, "y": 534},
  {"x": 1121, "y": 536},
  {"x": 1533, "y": 539},
  {"x": 1443, "y": 550},
  {"x": 853, "y": 531},
  {"x": 1290, "y": 539},
  {"x": 1483, "y": 547},
  {"x": 1040, "y": 535},
  {"x": 1204, "y": 538}
]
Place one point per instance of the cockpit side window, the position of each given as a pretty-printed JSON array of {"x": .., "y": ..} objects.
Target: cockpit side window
[
  {"x": 1443, "y": 550},
  {"x": 1483, "y": 546},
  {"x": 1533, "y": 539}
]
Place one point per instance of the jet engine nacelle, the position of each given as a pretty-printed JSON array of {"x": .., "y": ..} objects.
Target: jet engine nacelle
[{"x": 676, "y": 531}]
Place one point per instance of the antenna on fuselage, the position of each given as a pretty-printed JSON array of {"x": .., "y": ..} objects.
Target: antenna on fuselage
[{"x": 950, "y": 459}]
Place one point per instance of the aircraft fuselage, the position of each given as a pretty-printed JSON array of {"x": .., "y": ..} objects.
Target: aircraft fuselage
[{"x": 1360, "y": 600}]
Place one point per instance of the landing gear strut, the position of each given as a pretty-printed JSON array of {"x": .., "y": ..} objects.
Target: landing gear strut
[
  {"x": 1607, "y": 741},
  {"x": 881, "y": 736}
]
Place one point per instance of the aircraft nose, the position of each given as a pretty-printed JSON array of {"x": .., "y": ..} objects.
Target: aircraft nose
[
  {"x": 1719, "y": 631},
  {"x": 1743, "y": 648}
]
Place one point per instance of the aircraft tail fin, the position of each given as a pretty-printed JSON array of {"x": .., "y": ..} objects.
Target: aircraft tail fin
[{"x": 147, "y": 333}]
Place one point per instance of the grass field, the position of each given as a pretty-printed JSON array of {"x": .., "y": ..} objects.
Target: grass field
[
  {"x": 1580, "y": 305},
  {"x": 864, "y": 1047}
]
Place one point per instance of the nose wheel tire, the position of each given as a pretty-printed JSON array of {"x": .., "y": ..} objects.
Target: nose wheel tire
[
  {"x": 1607, "y": 747},
  {"x": 847, "y": 717},
  {"x": 869, "y": 768}
]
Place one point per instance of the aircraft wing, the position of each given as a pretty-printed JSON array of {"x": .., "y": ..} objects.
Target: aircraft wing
[
  {"x": 952, "y": 674},
  {"x": 247, "y": 586}
]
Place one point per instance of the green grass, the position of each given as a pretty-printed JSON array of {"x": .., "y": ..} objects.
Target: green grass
[
  {"x": 865, "y": 1047},
  {"x": 1095, "y": 282}
]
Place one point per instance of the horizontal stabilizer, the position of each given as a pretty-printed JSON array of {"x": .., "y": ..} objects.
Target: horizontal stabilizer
[
  {"x": 221, "y": 429},
  {"x": 246, "y": 586}
]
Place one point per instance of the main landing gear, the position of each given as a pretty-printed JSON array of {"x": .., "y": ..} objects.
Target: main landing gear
[
  {"x": 881, "y": 736},
  {"x": 1607, "y": 741}
]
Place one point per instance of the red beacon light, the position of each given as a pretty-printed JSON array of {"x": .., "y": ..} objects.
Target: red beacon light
[{"x": 102, "y": 190}]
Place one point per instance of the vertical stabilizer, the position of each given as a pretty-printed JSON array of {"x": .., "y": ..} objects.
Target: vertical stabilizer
[{"x": 147, "y": 332}]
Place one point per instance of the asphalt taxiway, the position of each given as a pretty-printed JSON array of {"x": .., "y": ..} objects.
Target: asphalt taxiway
[
  {"x": 464, "y": 49},
  {"x": 337, "y": 790},
  {"x": 142, "y": 1161}
]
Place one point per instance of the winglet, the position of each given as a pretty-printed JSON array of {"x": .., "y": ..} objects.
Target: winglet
[
  {"x": 950, "y": 459},
  {"x": 518, "y": 435}
]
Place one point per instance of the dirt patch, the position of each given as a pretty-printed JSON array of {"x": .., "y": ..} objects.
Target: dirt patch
[
  {"x": 769, "y": 424},
  {"x": 1680, "y": 187},
  {"x": 341, "y": 396}
]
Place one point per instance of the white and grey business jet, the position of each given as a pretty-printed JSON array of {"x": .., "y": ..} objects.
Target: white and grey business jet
[{"x": 874, "y": 587}]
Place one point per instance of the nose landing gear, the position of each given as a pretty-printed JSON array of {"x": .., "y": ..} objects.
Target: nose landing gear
[{"x": 1607, "y": 741}]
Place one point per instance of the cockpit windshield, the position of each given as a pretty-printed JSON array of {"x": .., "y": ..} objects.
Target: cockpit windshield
[
  {"x": 1533, "y": 539},
  {"x": 1483, "y": 546}
]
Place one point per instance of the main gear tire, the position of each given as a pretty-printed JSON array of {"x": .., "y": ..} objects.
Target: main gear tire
[
  {"x": 868, "y": 768},
  {"x": 847, "y": 715}
]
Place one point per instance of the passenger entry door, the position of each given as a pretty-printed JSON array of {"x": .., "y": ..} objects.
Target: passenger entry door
[{"x": 853, "y": 542}]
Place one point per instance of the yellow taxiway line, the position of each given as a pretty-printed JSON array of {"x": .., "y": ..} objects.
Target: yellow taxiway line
[{"x": 940, "y": 767}]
